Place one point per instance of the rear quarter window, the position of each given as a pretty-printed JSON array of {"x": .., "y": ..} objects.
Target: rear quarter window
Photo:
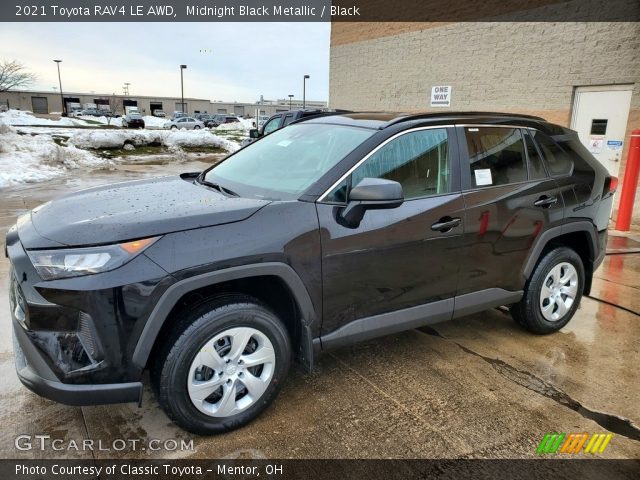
[{"x": 559, "y": 162}]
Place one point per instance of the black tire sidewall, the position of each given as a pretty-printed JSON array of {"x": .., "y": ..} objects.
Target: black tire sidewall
[
  {"x": 206, "y": 324},
  {"x": 533, "y": 318}
]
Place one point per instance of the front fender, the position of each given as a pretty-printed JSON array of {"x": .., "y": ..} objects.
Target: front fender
[{"x": 176, "y": 291}]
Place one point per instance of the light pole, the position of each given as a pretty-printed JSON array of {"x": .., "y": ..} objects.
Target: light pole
[
  {"x": 304, "y": 86},
  {"x": 290, "y": 97},
  {"x": 64, "y": 107},
  {"x": 182, "y": 67}
]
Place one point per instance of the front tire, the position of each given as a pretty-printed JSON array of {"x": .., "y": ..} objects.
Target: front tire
[
  {"x": 222, "y": 365},
  {"x": 553, "y": 293}
]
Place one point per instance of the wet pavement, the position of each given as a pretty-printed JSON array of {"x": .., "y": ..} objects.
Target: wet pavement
[{"x": 477, "y": 387}]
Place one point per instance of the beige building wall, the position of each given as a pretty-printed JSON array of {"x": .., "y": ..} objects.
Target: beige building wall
[{"x": 528, "y": 68}]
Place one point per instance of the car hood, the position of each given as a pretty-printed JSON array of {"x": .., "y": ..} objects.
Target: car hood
[{"x": 131, "y": 210}]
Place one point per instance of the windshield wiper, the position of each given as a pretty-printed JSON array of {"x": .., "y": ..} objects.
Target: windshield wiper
[{"x": 217, "y": 186}]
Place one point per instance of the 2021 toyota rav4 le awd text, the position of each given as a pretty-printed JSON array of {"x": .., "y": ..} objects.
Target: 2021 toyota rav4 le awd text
[{"x": 333, "y": 230}]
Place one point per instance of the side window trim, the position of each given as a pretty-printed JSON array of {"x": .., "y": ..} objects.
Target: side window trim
[
  {"x": 529, "y": 138},
  {"x": 454, "y": 163}
]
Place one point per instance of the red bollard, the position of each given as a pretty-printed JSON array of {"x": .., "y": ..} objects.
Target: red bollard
[{"x": 629, "y": 184}]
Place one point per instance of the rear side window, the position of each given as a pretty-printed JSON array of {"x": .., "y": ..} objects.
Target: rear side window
[
  {"x": 418, "y": 160},
  {"x": 557, "y": 160},
  {"x": 496, "y": 156}
]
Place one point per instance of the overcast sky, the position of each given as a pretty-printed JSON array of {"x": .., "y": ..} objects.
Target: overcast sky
[{"x": 225, "y": 61}]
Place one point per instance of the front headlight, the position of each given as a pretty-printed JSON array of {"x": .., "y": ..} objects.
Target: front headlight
[{"x": 75, "y": 262}]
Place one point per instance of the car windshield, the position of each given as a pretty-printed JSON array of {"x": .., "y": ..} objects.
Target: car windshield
[{"x": 285, "y": 163}]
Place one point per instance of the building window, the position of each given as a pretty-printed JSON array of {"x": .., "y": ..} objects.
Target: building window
[{"x": 599, "y": 126}]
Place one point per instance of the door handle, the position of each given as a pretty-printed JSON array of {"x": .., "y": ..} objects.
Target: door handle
[
  {"x": 545, "y": 201},
  {"x": 445, "y": 224}
]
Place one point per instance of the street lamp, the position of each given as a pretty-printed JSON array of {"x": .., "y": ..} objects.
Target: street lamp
[
  {"x": 290, "y": 97},
  {"x": 64, "y": 107},
  {"x": 304, "y": 85},
  {"x": 182, "y": 67}
]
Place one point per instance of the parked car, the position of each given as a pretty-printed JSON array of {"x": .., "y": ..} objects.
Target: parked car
[
  {"x": 208, "y": 120},
  {"x": 159, "y": 113},
  {"x": 228, "y": 119},
  {"x": 133, "y": 120},
  {"x": 336, "y": 229},
  {"x": 188, "y": 123},
  {"x": 279, "y": 120},
  {"x": 92, "y": 112},
  {"x": 75, "y": 112},
  {"x": 176, "y": 114}
]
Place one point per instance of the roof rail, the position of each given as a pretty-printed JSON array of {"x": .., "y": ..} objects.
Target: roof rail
[{"x": 416, "y": 116}]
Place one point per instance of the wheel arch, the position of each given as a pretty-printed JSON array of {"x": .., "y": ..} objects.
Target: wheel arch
[
  {"x": 581, "y": 236},
  {"x": 303, "y": 317}
]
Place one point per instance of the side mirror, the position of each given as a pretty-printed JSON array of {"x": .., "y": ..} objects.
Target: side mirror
[
  {"x": 370, "y": 194},
  {"x": 254, "y": 133}
]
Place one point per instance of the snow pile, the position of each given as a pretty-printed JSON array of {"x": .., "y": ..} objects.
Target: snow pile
[
  {"x": 35, "y": 158},
  {"x": 154, "y": 122},
  {"x": 103, "y": 139},
  {"x": 115, "y": 121},
  {"x": 21, "y": 117},
  {"x": 225, "y": 127}
]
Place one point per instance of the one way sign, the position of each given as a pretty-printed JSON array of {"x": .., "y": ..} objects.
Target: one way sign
[{"x": 441, "y": 96}]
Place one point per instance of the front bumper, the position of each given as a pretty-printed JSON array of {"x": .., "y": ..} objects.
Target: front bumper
[
  {"x": 35, "y": 374},
  {"x": 73, "y": 338}
]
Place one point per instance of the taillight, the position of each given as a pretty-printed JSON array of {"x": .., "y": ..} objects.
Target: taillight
[{"x": 610, "y": 185}]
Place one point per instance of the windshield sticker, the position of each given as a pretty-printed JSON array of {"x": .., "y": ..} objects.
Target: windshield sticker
[
  {"x": 483, "y": 177},
  {"x": 284, "y": 143}
]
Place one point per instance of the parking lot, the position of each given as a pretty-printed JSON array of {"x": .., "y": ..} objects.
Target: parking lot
[{"x": 479, "y": 386}]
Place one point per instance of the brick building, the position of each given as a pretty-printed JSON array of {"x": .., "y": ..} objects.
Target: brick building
[{"x": 584, "y": 75}]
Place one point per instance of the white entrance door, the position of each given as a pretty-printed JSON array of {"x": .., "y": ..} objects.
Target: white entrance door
[{"x": 600, "y": 117}]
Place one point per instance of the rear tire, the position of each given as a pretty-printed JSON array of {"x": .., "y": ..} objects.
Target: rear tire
[
  {"x": 552, "y": 293},
  {"x": 221, "y": 365}
]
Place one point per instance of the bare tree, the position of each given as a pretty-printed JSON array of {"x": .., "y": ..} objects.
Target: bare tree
[
  {"x": 115, "y": 104},
  {"x": 13, "y": 75}
]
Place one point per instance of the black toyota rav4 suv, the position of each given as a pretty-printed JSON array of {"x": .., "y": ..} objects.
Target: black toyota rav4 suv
[{"x": 332, "y": 230}]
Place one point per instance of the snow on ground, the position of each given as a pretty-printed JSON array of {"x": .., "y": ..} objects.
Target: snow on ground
[
  {"x": 154, "y": 122},
  {"x": 101, "y": 139},
  {"x": 243, "y": 124},
  {"x": 35, "y": 158},
  {"x": 20, "y": 117},
  {"x": 149, "y": 121}
]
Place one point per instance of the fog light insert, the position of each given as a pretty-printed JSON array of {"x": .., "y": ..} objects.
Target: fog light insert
[{"x": 87, "y": 337}]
